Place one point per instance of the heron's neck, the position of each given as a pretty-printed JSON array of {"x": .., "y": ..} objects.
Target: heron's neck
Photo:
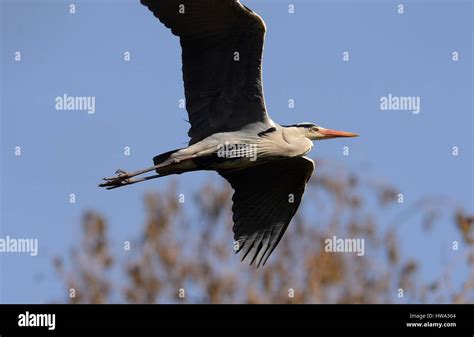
[
  {"x": 298, "y": 143},
  {"x": 292, "y": 134}
]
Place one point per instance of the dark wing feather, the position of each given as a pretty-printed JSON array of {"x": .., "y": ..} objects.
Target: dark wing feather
[
  {"x": 222, "y": 44},
  {"x": 262, "y": 207}
]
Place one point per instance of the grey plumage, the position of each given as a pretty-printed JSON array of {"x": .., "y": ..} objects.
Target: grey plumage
[
  {"x": 266, "y": 198},
  {"x": 222, "y": 44}
]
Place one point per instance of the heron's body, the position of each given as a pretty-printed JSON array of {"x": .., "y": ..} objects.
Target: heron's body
[
  {"x": 256, "y": 145},
  {"x": 231, "y": 132}
]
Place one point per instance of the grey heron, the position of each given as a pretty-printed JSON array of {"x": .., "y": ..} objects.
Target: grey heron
[{"x": 231, "y": 131}]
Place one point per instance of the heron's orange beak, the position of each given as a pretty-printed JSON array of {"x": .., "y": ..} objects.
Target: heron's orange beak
[{"x": 328, "y": 133}]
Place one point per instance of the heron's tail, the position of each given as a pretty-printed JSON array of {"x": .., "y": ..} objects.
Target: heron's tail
[
  {"x": 159, "y": 159},
  {"x": 173, "y": 164}
]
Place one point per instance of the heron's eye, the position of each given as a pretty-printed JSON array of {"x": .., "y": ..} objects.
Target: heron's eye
[{"x": 316, "y": 129}]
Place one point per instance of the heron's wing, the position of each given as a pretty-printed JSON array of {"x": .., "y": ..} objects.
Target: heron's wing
[
  {"x": 222, "y": 44},
  {"x": 265, "y": 199}
]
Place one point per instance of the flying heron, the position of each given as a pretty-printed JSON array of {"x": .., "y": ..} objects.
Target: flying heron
[{"x": 231, "y": 131}]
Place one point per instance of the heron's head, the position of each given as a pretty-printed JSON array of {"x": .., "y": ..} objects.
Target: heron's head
[{"x": 315, "y": 132}]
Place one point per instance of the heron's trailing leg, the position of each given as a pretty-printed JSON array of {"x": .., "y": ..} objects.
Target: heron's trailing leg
[
  {"x": 111, "y": 185},
  {"x": 124, "y": 178},
  {"x": 123, "y": 175}
]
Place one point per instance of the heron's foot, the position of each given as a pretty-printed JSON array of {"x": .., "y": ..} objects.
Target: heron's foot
[
  {"x": 122, "y": 178},
  {"x": 120, "y": 172}
]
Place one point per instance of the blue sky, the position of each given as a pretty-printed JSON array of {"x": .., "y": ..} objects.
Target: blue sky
[{"x": 81, "y": 54}]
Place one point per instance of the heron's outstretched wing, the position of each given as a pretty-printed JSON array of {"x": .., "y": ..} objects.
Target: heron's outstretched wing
[
  {"x": 222, "y": 44},
  {"x": 266, "y": 198}
]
